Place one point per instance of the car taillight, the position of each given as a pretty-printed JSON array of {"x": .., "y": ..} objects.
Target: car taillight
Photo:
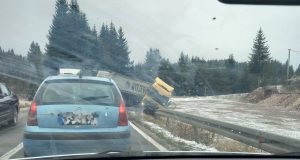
[
  {"x": 123, "y": 121},
  {"x": 32, "y": 119}
]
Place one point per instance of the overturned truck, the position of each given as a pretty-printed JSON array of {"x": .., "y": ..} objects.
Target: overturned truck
[
  {"x": 140, "y": 93},
  {"x": 157, "y": 96}
]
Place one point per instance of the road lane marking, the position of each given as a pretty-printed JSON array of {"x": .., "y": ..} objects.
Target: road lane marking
[
  {"x": 24, "y": 109},
  {"x": 12, "y": 152},
  {"x": 148, "y": 138}
]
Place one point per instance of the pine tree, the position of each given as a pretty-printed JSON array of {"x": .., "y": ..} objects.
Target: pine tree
[
  {"x": 152, "y": 63},
  {"x": 274, "y": 73},
  {"x": 197, "y": 60},
  {"x": 260, "y": 55},
  {"x": 200, "y": 85},
  {"x": 95, "y": 49},
  {"x": 74, "y": 7},
  {"x": 57, "y": 37},
  {"x": 183, "y": 62},
  {"x": 297, "y": 72},
  {"x": 73, "y": 44},
  {"x": 113, "y": 48},
  {"x": 123, "y": 59},
  {"x": 230, "y": 62},
  {"x": 166, "y": 71},
  {"x": 35, "y": 57},
  {"x": 291, "y": 70},
  {"x": 104, "y": 45},
  {"x": 77, "y": 46},
  {"x": 109, "y": 41},
  {"x": 1, "y": 51},
  {"x": 88, "y": 39},
  {"x": 69, "y": 38}
]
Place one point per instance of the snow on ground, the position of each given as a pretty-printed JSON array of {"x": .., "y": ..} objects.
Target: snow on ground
[
  {"x": 191, "y": 144},
  {"x": 273, "y": 119}
]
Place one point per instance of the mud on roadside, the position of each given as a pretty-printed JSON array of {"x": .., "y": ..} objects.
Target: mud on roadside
[{"x": 286, "y": 96}]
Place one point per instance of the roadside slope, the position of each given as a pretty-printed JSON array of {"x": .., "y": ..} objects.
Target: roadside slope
[{"x": 286, "y": 96}]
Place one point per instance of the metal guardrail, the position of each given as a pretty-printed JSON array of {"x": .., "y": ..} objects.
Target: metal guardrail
[
  {"x": 289, "y": 93},
  {"x": 268, "y": 142},
  {"x": 19, "y": 71}
]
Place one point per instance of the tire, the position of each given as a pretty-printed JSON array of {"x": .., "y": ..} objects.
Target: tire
[{"x": 14, "y": 120}]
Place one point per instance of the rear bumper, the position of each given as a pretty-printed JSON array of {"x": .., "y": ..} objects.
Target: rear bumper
[
  {"x": 34, "y": 148},
  {"x": 75, "y": 135},
  {"x": 42, "y": 142}
]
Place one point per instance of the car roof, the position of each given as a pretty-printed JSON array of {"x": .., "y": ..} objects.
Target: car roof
[{"x": 102, "y": 79}]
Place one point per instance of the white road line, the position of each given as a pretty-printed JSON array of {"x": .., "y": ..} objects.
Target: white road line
[
  {"x": 148, "y": 138},
  {"x": 12, "y": 152},
  {"x": 24, "y": 109}
]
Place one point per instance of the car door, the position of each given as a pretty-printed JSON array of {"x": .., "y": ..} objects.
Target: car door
[{"x": 4, "y": 102}]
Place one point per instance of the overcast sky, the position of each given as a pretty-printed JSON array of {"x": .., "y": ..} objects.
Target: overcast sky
[{"x": 170, "y": 25}]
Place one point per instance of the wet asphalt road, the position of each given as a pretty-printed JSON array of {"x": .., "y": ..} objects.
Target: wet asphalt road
[{"x": 10, "y": 137}]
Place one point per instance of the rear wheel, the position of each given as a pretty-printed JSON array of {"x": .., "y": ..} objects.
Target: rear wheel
[{"x": 14, "y": 120}]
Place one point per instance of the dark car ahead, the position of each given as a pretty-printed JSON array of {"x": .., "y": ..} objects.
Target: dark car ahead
[
  {"x": 9, "y": 106},
  {"x": 72, "y": 115}
]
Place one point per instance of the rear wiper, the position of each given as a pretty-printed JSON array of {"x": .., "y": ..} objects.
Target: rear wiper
[
  {"x": 93, "y": 98},
  {"x": 105, "y": 104}
]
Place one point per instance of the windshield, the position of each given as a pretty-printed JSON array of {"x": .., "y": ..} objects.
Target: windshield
[{"x": 130, "y": 76}]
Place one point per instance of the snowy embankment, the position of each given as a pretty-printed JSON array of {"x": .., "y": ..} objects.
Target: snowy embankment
[
  {"x": 235, "y": 97},
  {"x": 271, "y": 119},
  {"x": 192, "y": 145}
]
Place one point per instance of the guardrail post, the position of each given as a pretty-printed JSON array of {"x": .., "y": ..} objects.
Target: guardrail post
[
  {"x": 167, "y": 122},
  {"x": 195, "y": 129},
  {"x": 261, "y": 139}
]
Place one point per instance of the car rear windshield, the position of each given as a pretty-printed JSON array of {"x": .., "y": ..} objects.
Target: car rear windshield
[{"x": 89, "y": 92}]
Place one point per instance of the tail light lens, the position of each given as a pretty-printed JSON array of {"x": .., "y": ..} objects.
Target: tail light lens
[
  {"x": 32, "y": 119},
  {"x": 123, "y": 121}
]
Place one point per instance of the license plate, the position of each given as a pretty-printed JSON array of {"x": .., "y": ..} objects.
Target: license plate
[{"x": 71, "y": 118}]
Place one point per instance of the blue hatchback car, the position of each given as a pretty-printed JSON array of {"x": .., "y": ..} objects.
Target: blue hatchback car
[{"x": 72, "y": 114}]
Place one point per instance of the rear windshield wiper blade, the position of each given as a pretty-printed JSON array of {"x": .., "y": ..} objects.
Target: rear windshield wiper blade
[{"x": 96, "y": 97}]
